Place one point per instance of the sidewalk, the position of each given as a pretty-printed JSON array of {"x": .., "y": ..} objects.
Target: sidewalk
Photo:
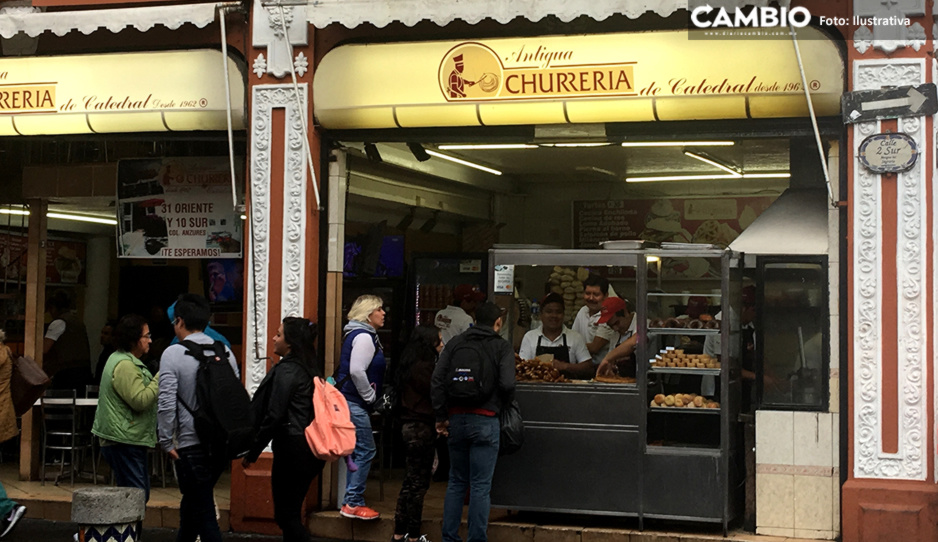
[
  {"x": 50, "y": 502},
  {"x": 517, "y": 527},
  {"x": 54, "y": 503}
]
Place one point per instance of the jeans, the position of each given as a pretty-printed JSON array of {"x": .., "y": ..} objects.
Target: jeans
[
  {"x": 293, "y": 471},
  {"x": 129, "y": 465},
  {"x": 473, "y": 451},
  {"x": 419, "y": 438},
  {"x": 362, "y": 455},
  {"x": 197, "y": 474}
]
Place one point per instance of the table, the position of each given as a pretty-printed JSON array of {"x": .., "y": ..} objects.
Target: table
[{"x": 80, "y": 401}]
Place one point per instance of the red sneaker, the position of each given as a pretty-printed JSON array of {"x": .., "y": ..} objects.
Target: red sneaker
[{"x": 358, "y": 512}]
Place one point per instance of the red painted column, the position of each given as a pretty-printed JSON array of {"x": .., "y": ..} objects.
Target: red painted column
[
  {"x": 283, "y": 221},
  {"x": 891, "y": 491}
]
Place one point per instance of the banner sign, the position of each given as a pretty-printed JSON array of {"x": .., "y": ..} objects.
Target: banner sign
[
  {"x": 65, "y": 259},
  {"x": 177, "y": 208}
]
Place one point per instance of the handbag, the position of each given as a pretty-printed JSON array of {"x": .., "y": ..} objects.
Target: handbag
[
  {"x": 27, "y": 384},
  {"x": 511, "y": 424}
]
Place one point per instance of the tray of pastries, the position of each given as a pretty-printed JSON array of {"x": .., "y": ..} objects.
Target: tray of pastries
[
  {"x": 684, "y": 401},
  {"x": 614, "y": 379},
  {"x": 537, "y": 370},
  {"x": 675, "y": 360}
]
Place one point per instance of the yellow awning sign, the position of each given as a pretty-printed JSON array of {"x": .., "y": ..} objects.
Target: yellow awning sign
[
  {"x": 122, "y": 92},
  {"x": 594, "y": 78}
]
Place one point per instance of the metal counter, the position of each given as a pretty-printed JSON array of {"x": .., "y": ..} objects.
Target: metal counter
[{"x": 582, "y": 451}]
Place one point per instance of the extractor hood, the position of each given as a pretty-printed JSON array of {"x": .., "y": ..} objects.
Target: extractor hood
[{"x": 796, "y": 223}]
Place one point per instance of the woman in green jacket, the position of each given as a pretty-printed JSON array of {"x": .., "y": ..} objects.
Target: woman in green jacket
[{"x": 125, "y": 419}]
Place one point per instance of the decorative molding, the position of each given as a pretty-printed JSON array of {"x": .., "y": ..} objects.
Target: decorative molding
[
  {"x": 294, "y": 212},
  {"x": 301, "y": 64},
  {"x": 862, "y": 39},
  {"x": 271, "y": 35},
  {"x": 260, "y": 65},
  {"x": 352, "y": 13},
  {"x": 14, "y": 19},
  {"x": 909, "y": 463},
  {"x": 266, "y": 98}
]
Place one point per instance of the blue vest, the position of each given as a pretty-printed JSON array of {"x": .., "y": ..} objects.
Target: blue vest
[{"x": 375, "y": 371}]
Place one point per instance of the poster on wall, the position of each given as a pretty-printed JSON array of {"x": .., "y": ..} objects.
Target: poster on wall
[
  {"x": 65, "y": 259},
  {"x": 714, "y": 221},
  {"x": 177, "y": 208}
]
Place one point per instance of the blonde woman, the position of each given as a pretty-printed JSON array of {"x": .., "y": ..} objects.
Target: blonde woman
[
  {"x": 359, "y": 378},
  {"x": 10, "y": 511}
]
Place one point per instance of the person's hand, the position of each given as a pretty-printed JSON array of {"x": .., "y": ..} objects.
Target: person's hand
[
  {"x": 245, "y": 462},
  {"x": 442, "y": 428},
  {"x": 606, "y": 368},
  {"x": 173, "y": 454}
]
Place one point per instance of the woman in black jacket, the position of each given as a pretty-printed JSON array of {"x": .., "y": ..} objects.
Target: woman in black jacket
[
  {"x": 413, "y": 379},
  {"x": 283, "y": 407}
]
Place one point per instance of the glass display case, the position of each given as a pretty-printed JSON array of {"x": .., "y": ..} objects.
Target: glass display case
[{"x": 656, "y": 446}]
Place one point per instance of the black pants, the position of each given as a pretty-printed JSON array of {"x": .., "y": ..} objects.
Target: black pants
[
  {"x": 419, "y": 439},
  {"x": 293, "y": 470},
  {"x": 197, "y": 474}
]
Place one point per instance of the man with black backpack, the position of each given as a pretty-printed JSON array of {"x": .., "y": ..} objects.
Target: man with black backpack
[
  {"x": 198, "y": 438},
  {"x": 473, "y": 379}
]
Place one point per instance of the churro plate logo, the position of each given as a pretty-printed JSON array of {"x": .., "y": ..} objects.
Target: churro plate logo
[{"x": 472, "y": 72}]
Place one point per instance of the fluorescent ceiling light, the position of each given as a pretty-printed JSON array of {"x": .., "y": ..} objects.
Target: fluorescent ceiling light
[
  {"x": 84, "y": 218},
  {"x": 64, "y": 216},
  {"x": 20, "y": 212},
  {"x": 766, "y": 175},
  {"x": 718, "y": 177},
  {"x": 486, "y": 146},
  {"x": 712, "y": 162},
  {"x": 651, "y": 259},
  {"x": 570, "y": 145},
  {"x": 680, "y": 178},
  {"x": 463, "y": 162},
  {"x": 678, "y": 143}
]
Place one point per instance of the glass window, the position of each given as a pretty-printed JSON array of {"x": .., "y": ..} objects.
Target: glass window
[{"x": 791, "y": 335}]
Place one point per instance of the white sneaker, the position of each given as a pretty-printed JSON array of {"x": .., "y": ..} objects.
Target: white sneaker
[{"x": 12, "y": 519}]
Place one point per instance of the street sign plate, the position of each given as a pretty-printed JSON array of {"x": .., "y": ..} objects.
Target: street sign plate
[
  {"x": 888, "y": 153},
  {"x": 891, "y": 103}
]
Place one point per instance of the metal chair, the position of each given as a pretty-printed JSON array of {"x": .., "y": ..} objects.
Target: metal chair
[{"x": 62, "y": 431}]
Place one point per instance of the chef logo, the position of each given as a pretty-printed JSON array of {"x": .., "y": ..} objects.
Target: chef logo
[{"x": 470, "y": 71}]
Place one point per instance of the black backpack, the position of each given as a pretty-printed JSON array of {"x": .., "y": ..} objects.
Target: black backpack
[
  {"x": 472, "y": 374},
  {"x": 224, "y": 420}
]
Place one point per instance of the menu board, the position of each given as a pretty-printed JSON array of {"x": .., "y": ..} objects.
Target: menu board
[
  {"x": 716, "y": 221},
  {"x": 65, "y": 259},
  {"x": 177, "y": 208}
]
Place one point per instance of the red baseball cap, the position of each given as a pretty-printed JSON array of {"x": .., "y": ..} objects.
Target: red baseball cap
[
  {"x": 611, "y": 306},
  {"x": 467, "y": 292}
]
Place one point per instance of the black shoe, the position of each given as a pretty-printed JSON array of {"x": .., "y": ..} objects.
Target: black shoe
[{"x": 12, "y": 519}]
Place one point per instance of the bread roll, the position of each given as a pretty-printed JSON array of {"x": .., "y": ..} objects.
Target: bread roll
[
  {"x": 659, "y": 398},
  {"x": 669, "y": 400},
  {"x": 695, "y": 324},
  {"x": 698, "y": 401},
  {"x": 582, "y": 273},
  {"x": 678, "y": 402}
]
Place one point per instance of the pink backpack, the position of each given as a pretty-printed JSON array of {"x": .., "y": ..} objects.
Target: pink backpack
[{"x": 331, "y": 434}]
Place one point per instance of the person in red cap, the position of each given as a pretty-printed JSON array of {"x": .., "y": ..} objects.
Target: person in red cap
[
  {"x": 458, "y": 317},
  {"x": 619, "y": 315},
  {"x": 567, "y": 346}
]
